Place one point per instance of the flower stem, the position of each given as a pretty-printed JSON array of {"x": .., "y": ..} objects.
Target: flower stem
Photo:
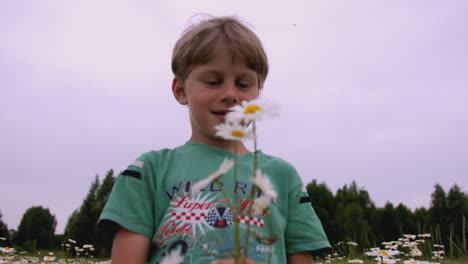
[
  {"x": 253, "y": 192},
  {"x": 234, "y": 211}
]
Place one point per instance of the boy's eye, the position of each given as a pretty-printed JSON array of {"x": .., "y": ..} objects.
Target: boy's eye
[
  {"x": 212, "y": 82},
  {"x": 243, "y": 84}
]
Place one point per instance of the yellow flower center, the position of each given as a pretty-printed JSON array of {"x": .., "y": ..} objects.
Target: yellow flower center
[
  {"x": 251, "y": 109},
  {"x": 237, "y": 133},
  {"x": 383, "y": 252}
]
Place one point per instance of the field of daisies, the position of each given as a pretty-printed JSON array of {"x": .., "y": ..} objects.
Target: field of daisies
[{"x": 410, "y": 249}]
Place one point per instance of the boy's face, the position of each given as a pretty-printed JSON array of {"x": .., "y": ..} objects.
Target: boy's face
[{"x": 212, "y": 88}]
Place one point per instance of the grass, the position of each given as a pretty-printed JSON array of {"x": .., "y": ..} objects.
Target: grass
[{"x": 410, "y": 249}]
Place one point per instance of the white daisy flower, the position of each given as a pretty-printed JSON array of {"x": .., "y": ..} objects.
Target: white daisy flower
[
  {"x": 223, "y": 168},
  {"x": 412, "y": 261},
  {"x": 391, "y": 246},
  {"x": 263, "y": 182},
  {"x": 355, "y": 261},
  {"x": 233, "y": 131},
  {"x": 382, "y": 253},
  {"x": 252, "y": 110},
  {"x": 261, "y": 203},
  {"x": 7, "y": 250},
  {"x": 174, "y": 257},
  {"x": 415, "y": 252},
  {"x": 49, "y": 258},
  {"x": 424, "y": 235},
  {"x": 385, "y": 260}
]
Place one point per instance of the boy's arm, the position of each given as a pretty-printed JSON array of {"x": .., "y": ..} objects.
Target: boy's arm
[
  {"x": 300, "y": 258},
  {"x": 129, "y": 247}
]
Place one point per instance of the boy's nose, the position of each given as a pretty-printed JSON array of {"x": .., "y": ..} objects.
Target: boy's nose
[{"x": 230, "y": 93}]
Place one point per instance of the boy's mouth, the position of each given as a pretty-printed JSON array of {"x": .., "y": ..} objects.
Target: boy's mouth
[{"x": 220, "y": 112}]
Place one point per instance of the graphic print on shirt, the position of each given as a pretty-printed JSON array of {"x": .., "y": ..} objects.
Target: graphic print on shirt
[{"x": 202, "y": 228}]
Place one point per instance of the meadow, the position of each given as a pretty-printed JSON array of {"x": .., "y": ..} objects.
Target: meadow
[{"x": 410, "y": 249}]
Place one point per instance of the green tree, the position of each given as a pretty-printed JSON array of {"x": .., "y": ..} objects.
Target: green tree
[
  {"x": 421, "y": 218},
  {"x": 36, "y": 229},
  {"x": 388, "y": 225},
  {"x": 104, "y": 237},
  {"x": 457, "y": 211},
  {"x": 324, "y": 205},
  {"x": 353, "y": 226},
  {"x": 354, "y": 208},
  {"x": 355, "y": 194},
  {"x": 3, "y": 228},
  {"x": 82, "y": 224},
  {"x": 405, "y": 220},
  {"x": 438, "y": 215}
]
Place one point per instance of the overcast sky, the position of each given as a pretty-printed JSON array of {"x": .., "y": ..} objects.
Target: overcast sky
[{"x": 371, "y": 91}]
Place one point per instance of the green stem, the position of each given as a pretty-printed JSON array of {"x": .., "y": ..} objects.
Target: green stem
[
  {"x": 253, "y": 192},
  {"x": 234, "y": 211},
  {"x": 236, "y": 221},
  {"x": 270, "y": 227},
  {"x": 220, "y": 186}
]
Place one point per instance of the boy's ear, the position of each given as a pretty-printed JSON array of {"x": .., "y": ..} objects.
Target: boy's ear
[{"x": 179, "y": 91}]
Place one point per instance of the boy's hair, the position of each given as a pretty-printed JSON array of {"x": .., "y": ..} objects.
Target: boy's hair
[{"x": 195, "y": 46}]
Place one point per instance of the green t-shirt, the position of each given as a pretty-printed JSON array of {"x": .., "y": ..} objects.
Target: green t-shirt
[{"x": 153, "y": 197}]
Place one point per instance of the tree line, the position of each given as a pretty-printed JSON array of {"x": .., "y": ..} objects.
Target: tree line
[
  {"x": 350, "y": 215},
  {"x": 347, "y": 215}
]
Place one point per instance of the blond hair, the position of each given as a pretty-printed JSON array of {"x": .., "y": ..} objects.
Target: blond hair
[{"x": 195, "y": 46}]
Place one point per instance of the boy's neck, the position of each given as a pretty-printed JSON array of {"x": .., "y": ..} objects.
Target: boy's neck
[{"x": 229, "y": 145}]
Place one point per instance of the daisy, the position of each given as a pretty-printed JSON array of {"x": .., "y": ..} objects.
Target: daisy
[
  {"x": 174, "y": 257},
  {"x": 251, "y": 110},
  {"x": 233, "y": 131},
  {"x": 49, "y": 258},
  {"x": 7, "y": 250},
  {"x": 225, "y": 167},
  {"x": 261, "y": 203},
  {"x": 383, "y": 253},
  {"x": 355, "y": 261},
  {"x": 384, "y": 260},
  {"x": 412, "y": 261},
  {"x": 263, "y": 182},
  {"x": 391, "y": 246},
  {"x": 415, "y": 252}
]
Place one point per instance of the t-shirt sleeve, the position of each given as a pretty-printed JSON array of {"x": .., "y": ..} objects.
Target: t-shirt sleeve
[
  {"x": 304, "y": 231},
  {"x": 130, "y": 204}
]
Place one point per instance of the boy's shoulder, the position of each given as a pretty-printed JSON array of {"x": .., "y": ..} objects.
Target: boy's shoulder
[
  {"x": 168, "y": 153},
  {"x": 269, "y": 159},
  {"x": 153, "y": 155}
]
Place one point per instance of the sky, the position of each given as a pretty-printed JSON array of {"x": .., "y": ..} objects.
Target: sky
[{"x": 370, "y": 91}]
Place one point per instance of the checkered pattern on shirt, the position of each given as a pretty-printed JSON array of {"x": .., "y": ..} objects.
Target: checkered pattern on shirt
[
  {"x": 188, "y": 216},
  {"x": 251, "y": 220},
  {"x": 213, "y": 217}
]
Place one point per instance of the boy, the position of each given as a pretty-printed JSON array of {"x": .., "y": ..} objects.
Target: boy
[{"x": 217, "y": 64}]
